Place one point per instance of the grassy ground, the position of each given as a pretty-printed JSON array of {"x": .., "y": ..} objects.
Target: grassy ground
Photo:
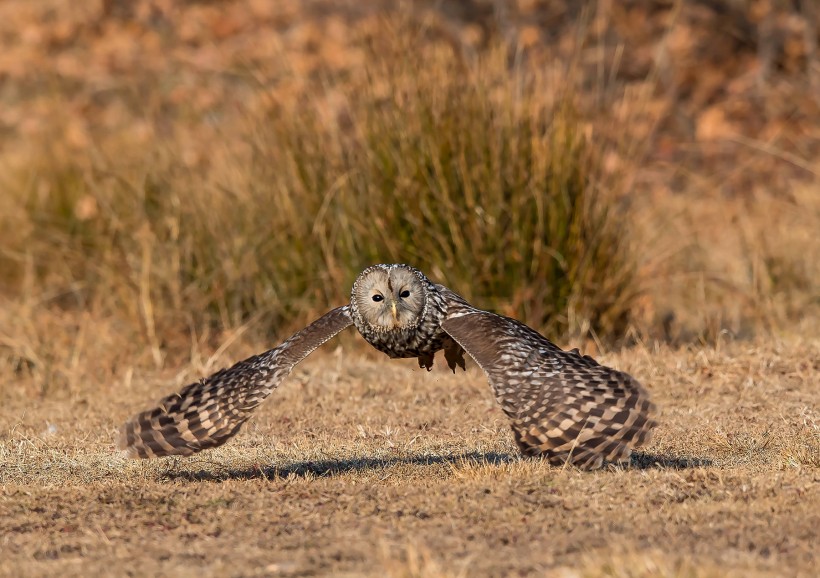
[{"x": 362, "y": 466}]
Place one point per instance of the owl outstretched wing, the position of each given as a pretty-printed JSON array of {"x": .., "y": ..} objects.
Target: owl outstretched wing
[
  {"x": 207, "y": 413},
  {"x": 564, "y": 406}
]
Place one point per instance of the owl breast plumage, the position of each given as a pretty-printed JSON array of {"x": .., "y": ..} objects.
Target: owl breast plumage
[
  {"x": 423, "y": 336},
  {"x": 563, "y": 406}
]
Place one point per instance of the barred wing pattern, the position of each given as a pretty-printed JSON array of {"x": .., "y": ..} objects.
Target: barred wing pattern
[
  {"x": 207, "y": 413},
  {"x": 564, "y": 406}
]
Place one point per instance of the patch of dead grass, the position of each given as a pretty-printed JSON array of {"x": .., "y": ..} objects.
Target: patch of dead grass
[{"x": 363, "y": 467}]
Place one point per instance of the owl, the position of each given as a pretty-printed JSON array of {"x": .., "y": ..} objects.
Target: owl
[{"x": 563, "y": 406}]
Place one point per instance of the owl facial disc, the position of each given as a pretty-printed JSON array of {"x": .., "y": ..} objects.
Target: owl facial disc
[{"x": 389, "y": 297}]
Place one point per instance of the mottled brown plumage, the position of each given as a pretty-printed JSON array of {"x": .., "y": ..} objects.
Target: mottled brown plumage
[
  {"x": 563, "y": 406},
  {"x": 207, "y": 413}
]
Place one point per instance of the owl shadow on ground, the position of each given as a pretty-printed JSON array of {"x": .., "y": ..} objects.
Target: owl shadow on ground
[
  {"x": 329, "y": 468},
  {"x": 646, "y": 461}
]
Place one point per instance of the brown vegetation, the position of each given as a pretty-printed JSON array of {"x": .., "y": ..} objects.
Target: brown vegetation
[
  {"x": 362, "y": 466},
  {"x": 184, "y": 183}
]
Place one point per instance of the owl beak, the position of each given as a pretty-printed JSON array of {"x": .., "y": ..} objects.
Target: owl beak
[{"x": 394, "y": 312}]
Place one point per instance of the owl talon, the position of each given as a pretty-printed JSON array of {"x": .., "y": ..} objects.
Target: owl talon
[
  {"x": 454, "y": 355},
  {"x": 426, "y": 361}
]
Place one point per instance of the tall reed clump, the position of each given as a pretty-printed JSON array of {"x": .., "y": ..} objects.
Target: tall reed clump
[
  {"x": 481, "y": 175},
  {"x": 484, "y": 176}
]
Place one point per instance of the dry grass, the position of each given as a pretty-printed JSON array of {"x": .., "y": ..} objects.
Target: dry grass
[
  {"x": 479, "y": 174},
  {"x": 738, "y": 266},
  {"x": 362, "y": 466},
  {"x": 518, "y": 183}
]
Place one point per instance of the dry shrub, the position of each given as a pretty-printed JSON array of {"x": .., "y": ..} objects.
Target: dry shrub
[{"x": 732, "y": 267}]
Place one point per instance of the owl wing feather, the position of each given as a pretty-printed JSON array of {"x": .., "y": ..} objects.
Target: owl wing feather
[
  {"x": 563, "y": 406},
  {"x": 207, "y": 413}
]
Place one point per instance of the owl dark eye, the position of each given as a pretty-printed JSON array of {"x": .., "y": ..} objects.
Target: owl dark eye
[
  {"x": 378, "y": 298},
  {"x": 404, "y": 294}
]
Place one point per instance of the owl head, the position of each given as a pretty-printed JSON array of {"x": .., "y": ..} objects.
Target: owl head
[{"x": 389, "y": 297}]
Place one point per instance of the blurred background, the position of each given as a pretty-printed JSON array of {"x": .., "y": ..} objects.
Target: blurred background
[{"x": 607, "y": 171}]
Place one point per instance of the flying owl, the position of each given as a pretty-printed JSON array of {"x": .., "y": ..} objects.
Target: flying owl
[{"x": 563, "y": 406}]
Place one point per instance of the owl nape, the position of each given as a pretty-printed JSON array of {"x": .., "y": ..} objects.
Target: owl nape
[{"x": 562, "y": 406}]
